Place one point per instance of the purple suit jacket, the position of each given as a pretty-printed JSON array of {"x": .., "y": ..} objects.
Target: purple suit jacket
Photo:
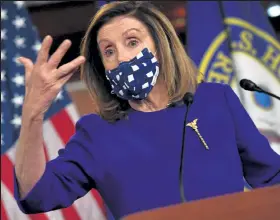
[{"x": 134, "y": 163}]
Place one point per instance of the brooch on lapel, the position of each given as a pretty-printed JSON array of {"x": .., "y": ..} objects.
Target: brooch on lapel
[{"x": 193, "y": 125}]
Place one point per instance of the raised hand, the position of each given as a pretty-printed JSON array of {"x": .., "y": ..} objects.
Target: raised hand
[{"x": 44, "y": 80}]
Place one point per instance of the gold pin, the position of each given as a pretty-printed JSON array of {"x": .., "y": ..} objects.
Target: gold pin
[{"x": 193, "y": 125}]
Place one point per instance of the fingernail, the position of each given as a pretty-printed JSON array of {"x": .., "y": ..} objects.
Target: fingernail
[
  {"x": 48, "y": 37},
  {"x": 81, "y": 58},
  {"x": 69, "y": 42}
]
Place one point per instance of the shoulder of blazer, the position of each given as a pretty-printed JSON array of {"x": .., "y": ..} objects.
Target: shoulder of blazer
[{"x": 212, "y": 89}]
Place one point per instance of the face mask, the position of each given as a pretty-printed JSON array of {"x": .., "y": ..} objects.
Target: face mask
[{"x": 134, "y": 79}]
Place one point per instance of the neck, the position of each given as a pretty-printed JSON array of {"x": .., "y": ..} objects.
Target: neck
[{"x": 157, "y": 99}]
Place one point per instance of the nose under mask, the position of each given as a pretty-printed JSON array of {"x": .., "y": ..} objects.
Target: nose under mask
[{"x": 134, "y": 79}]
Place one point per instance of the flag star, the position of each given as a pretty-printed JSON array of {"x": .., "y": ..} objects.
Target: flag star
[
  {"x": 15, "y": 59},
  {"x": 2, "y": 96},
  {"x": 3, "y": 75},
  {"x": 3, "y": 55},
  {"x": 19, "y": 22},
  {"x": 19, "y": 4},
  {"x": 19, "y": 42},
  {"x": 2, "y": 120},
  {"x": 2, "y": 136},
  {"x": 18, "y": 80},
  {"x": 3, "y": 34},
  {"x": 17, "y": 100},
  {"x": 59, "y": 96},
  {"x": 16, "y": 121},
  {"x": 4, "y": 15},
  {"x": 36, "y": 47}
]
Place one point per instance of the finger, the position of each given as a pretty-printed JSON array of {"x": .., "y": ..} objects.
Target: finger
[
  {"x": 27, "y": 63},
  {"x": 65, "y": 78},
  {"x": 28, "y": 66},
  {"x": 43, "y": 54},
  {"x": 69, "y": 67},
  {"x": 56, "y": 58}
]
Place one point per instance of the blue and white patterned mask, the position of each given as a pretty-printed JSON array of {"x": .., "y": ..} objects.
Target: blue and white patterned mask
[{"x": 134, "y": 79}]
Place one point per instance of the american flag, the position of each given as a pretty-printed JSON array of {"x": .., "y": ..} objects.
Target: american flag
[{"x": 20, "y": 38}]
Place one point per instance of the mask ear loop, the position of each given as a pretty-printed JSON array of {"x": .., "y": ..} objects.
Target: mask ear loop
[{"x": 155, "y": 54}]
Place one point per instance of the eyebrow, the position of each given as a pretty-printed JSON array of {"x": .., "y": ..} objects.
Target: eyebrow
[
  {"x": 124, "y": 33},
  {"x": 130, "y": 29}
]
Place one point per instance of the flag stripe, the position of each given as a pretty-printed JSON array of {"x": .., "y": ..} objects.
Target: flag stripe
[
  {"x": 46, "y": 152},
  {"x": 73, "y": 113},
  {"x": 62, "y": 123},
  {"x": 7, "y": 173},
  {"x": 9, "y": 161},
  {"x": 39, "y": 216},
  {"x": 88, "y": 202},
  {"x": 11, "y": 153},
  {"x": 3, "y": 211},
  {"x": 8, "y": 180},
  {"x": 57, "y": 215},
  {"x": 99, "y": 200},
  {"x": 52, "y": 140},
  {"x": 12, "y": 210},
  {"x": 7, "y": 177},
  {"x": 70, "y": 213}
]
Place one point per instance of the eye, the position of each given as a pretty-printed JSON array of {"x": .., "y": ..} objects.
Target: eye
[
  {"x": 109, "y": 52},
  {"x": 133, "y": 43}
]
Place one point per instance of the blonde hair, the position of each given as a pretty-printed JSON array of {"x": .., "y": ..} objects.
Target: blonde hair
[{"x": 176, "y": 68}]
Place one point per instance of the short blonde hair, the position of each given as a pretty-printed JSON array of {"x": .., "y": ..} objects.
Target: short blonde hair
[{"x": 176, "y": 68}]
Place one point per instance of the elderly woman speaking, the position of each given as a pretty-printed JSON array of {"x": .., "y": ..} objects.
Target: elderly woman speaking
[{"x": 158, "y": 137}]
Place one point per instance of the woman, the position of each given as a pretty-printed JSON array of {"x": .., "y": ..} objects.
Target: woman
[{"x": 138, "y": 73}]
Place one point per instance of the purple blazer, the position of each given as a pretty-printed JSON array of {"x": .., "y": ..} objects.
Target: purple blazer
[{"x": 134, "y": 163}]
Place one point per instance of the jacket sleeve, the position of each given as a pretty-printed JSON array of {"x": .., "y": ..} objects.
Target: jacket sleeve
[
  {"x": 261, "y": 165},
  {"x": 65, "y": 179}
]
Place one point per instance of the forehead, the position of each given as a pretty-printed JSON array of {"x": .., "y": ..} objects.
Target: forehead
[{"x": 119, "y": 25}]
